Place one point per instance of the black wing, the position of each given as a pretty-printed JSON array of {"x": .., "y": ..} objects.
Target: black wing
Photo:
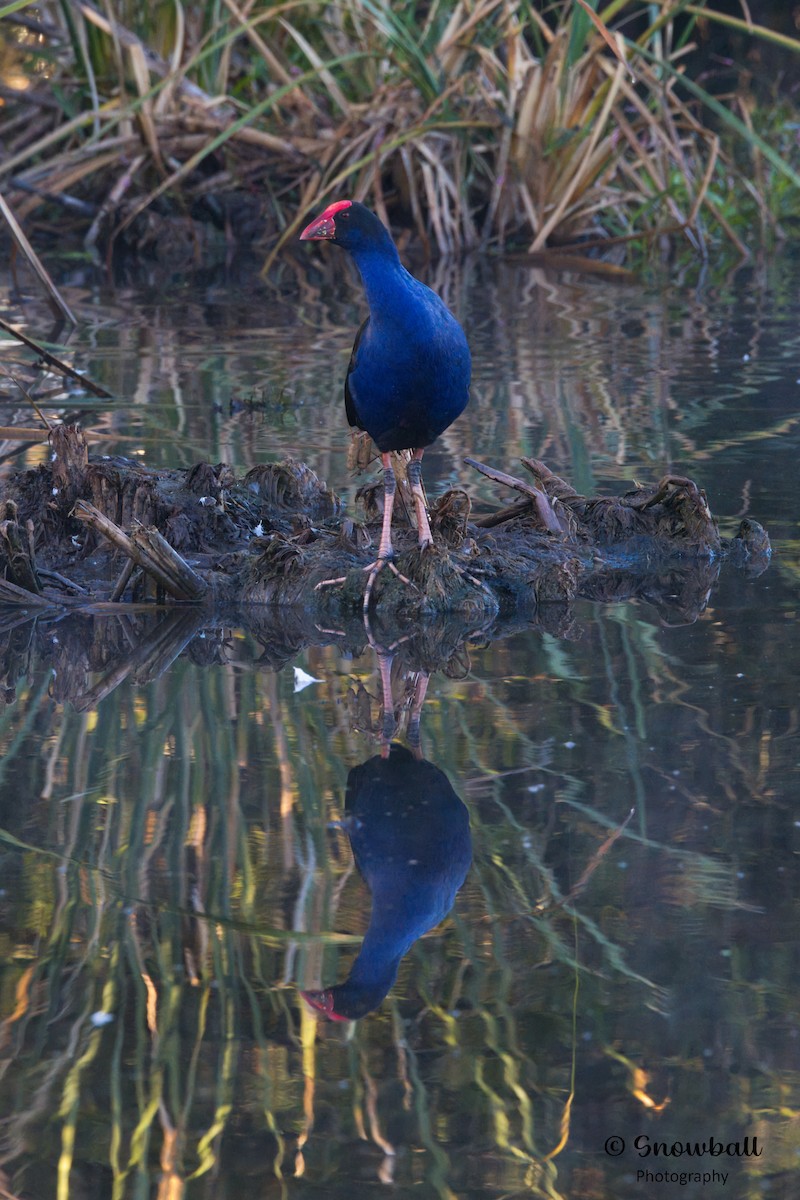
[{"x": 349, "y": 406}]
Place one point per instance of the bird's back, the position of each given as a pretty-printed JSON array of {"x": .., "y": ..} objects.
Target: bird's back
[
  {"x": 410, "y": 837},
  {"x": 408, "y": 828}
]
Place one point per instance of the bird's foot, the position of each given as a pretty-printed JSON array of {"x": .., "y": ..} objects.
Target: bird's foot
[
  {"x": 478, "y": 583},
  {"x": 427, "y": 544},
  {"x": 375, "y": 569}
]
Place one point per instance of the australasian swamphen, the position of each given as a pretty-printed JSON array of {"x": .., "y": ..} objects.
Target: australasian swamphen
[
  {"x": 409, "y": 372},
  {"x": 411, "y": 841}
]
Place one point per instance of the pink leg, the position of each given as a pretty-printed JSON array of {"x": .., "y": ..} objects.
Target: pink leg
[
  {"x": 385, "y": 549},
  {"x": 416, "y": 712},
  {"x": 415, "y": 483},
  {"x": 387, "y": 702}
]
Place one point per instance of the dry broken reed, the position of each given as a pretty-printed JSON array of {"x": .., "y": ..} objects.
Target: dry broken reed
[{"x": 489, "y": 123}]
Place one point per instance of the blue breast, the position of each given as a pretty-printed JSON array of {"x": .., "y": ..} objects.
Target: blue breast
[{"x": 409, "y": 377}]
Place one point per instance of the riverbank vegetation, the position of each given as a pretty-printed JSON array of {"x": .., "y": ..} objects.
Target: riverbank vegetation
[{"x": 486, "y": 123}]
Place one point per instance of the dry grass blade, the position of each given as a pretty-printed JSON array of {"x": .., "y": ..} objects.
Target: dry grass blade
[
  {"x": 589, "y": 869},
  {"x": 142, "y": 76},
  {"x": 597, "y": 858},
  {"x": 276, "y": 67},
  {"x": 612, "y": 42},
  {"x": 519, "y": 115},
  {"x": 705, "y": 183},
  {"x": 56, "y": 299},
  {"x": 335, "y": 92}
]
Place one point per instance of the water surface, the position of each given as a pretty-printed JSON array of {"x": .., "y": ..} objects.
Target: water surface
[{"x": 175, "y": 864}]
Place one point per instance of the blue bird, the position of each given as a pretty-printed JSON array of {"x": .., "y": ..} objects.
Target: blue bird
[
  {"x": 409, "y": 372},
  {"x": 410, "y": 836}
]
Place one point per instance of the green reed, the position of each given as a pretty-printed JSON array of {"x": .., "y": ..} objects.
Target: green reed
[{"x": 494, "y": 123}]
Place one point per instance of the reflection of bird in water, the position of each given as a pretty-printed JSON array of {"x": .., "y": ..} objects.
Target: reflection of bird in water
[{"x": 411, "y": 841}]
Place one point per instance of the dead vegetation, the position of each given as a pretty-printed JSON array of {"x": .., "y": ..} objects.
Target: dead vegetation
[
  {"x": 481, "y": 125},
  {"x": 78, "y": 533}
]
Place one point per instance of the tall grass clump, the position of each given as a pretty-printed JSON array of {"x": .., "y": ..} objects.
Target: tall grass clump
[{"x": 487, "y": 123}]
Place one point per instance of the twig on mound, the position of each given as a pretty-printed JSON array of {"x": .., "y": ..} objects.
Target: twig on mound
[
  {"x": 544, "y": 506},
  {"x": 155, "y": 555},
  {"x": 123, "y": 580},
  {"x": 16, "y": 546},
  {"x": 95, "y": 520},
  {"x": 149, "y": 550}
]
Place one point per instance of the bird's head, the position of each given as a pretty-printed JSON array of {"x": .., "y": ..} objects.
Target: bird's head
[
  {"x": 350, "y": 225},
  {"x": 323, "y": 1002},
  {"x": 350, "y": 1001}
]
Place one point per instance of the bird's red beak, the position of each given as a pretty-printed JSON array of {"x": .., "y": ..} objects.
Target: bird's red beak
[
  {"x": 322, "y": 1002},
  {"x": 324, "y": 228},
  {"x": 321, "y": 230}
]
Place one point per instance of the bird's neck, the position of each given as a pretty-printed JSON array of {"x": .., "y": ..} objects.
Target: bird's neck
[
  {"x": 385, "y": 280},
  {"x": 371, "y": 977},
  {"x": 391, "y": 933},
  {"x": 376, "y": 964}
]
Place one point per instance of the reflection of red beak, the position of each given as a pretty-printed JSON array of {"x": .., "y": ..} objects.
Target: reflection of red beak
[{"x": 322, "y": 1002}]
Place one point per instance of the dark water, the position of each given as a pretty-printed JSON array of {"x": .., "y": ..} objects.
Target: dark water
[{"x": 176, "y": 841}]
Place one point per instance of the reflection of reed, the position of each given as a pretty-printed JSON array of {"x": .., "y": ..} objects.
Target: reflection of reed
[{"x": 602, "y": 379}]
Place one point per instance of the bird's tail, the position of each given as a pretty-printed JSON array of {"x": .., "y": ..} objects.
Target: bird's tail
[{"x": 362, "y": 454}]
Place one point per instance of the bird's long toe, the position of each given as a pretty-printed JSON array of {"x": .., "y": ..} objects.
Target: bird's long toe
[
  {"x": 323, "y": 583},
  {"x": 374, "y": 571}
]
